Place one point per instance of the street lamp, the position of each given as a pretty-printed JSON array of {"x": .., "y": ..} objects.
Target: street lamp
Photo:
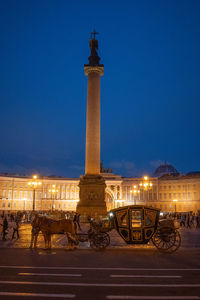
[
  {"x": 135, "y": 191},
  {"x": 34, "y": 184},
  {"x": 53, "y": 192},
  {"x": 146, "y": 185},
  {"x": 175, "y": 200}
]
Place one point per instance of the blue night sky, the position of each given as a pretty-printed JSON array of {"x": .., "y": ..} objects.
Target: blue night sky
[{"x": 150, "y": 91}]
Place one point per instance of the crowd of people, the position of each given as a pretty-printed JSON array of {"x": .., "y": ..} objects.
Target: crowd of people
[
  {"x": 186, "y": 220},
  {"x": 9, "y": 226}
]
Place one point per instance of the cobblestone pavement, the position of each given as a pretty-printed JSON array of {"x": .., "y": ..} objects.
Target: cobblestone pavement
[{"x": 190, "y": 239}]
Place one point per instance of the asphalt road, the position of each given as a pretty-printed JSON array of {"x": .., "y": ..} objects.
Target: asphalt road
[{"x": 112, "y": 274}]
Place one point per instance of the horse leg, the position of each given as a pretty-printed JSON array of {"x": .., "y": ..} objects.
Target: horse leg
[
  {"x": 71, "y": 241},
  {"x": 45, "y": 239},
  {"x": 32, "y": 238},
  {"x": 49, "y": 241},
  {"x": 35, "y": 239}
]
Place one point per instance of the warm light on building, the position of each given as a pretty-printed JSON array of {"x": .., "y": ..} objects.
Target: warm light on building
[{"x": 16, "y": 192}]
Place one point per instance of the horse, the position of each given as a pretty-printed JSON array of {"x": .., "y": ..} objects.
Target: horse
[{"x": 49, "y": 226}]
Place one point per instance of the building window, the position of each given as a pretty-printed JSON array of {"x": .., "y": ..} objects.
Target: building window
[
  {"x": 4, "y": 204},
  {"x": 169, "y": 187},
  {"x": 4, "y": 193},
  {"x": 179, "y": 195},
  {"x": 9, "y": 194},
  {"x": 170, "y": 196},
  {"x": 165, "y": 196},
  {"x": 174, "y": 195},
  {"x": 160, "y": 196}
]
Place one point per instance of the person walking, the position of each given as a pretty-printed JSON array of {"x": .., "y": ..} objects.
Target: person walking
[
  {"x": 15, "y": 229},
  {"x": 188, "y": 221},
  {"x": 182, "y": 222},
  {"x": 5, "y": 228},
  {"x": 77, "y": 221},
  {"x": 197, "y": 221}
]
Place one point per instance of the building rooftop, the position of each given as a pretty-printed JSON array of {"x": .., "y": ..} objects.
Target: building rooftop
[{"x": 164, "y": 169}]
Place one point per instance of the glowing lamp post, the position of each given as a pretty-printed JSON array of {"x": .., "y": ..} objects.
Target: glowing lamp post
[
  {"x": 135, "y": 192},
  {"x": 146, "y": 185},
  {"x": 53, "y": 192},
  {"x": 34, "y": 184}
]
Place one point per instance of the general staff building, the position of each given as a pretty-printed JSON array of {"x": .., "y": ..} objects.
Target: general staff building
[{"x": 167, "y": 190}]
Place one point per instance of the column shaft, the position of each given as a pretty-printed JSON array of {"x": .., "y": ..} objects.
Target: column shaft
[{"x": 92, "y": 157}]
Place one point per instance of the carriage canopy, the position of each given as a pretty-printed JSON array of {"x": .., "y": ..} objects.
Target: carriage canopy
[{"x": 136, "y": 224}]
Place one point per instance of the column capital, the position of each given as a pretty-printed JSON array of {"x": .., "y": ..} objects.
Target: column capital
[{"x": 94, "y": 69}]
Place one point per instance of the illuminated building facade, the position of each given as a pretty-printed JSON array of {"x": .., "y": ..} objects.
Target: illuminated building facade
[{"x": 160, "y": 192}]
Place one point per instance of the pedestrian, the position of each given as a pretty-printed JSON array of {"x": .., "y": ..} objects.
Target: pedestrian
[
  {"x": 182, "y": 222},
  {"x": 15, "y": 229},
  {"x": 197, "y": 221},
  {"x": 191, "y": 220},
  {"x": 5, "y": 228},
  {"x": 188, "y": 221},
  {"x": 77, "y": 220}
]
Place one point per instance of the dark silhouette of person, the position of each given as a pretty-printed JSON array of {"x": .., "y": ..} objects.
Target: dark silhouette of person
[
  {"x": 5, "y": 227},
  {"x": 16, "y": 229},
  {"x": 77, "y": 220}
]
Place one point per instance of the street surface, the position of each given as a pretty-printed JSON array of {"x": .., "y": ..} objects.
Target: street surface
[
  {"x": 111, "y": 274},
  {"x": 120, "y": 272}
]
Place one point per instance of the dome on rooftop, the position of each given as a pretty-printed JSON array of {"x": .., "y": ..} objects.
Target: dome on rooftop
[{"x": 165, "y": 169}]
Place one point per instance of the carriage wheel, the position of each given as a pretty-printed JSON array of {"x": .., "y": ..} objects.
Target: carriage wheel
[
  {"x": 100, "y": 241},
  {"x": 167, "y": 239},
  {"x": 177, "y": 242}
]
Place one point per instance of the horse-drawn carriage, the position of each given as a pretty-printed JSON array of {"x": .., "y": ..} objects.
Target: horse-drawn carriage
[{"x": 137, "y": 224}]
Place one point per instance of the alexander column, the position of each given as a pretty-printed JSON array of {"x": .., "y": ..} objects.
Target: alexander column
[{"x": 92, "y": 184}]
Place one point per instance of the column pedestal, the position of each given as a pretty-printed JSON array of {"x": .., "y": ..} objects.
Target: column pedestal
[{"x": 92, "y": 196}]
